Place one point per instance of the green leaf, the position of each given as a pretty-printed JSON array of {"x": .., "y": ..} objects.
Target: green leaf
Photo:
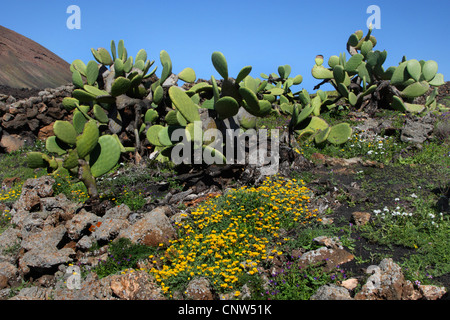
[{"x": 141, "y": 55}]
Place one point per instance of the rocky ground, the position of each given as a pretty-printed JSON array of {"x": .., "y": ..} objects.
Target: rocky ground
[{"x": 52, "y": 233}]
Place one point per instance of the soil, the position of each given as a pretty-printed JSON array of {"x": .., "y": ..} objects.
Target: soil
[
  {"x": 363, "y": 198},
  {"x": 19, "y": 93}
]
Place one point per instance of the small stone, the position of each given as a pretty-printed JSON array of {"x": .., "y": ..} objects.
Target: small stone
[
  {"x": 331, "y": 292},
  {"x": 350, "y": 284},
  {"x": 360, "y": 218},
  {"x": 431, "y": 292},
  {"x": 199, "y": 289}
]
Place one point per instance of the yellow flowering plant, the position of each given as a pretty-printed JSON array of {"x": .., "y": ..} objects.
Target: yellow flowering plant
[{"x": 233, "y": 234}]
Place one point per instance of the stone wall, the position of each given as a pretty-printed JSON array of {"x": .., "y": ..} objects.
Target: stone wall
[{"x": 24, "y": 121}]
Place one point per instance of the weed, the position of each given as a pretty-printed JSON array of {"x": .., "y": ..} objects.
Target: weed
[
  {"x": 122, "y": 254},
  {"x": 293, "y": 282}
]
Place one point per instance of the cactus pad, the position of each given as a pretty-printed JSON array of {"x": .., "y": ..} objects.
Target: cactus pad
[
  {"x": 184, "y": 104},
  {"x": 65, "y": 131},
  {"x": 105, "y": 155},
  {"x": 120, "y": 86},
  {"x": 54, "y": 145},
  {"x": 429, "y": 70},
  {"x": 226, "y": 107},
  {"x": 91, "y": 72},
  {"x": 187, "y": 75},
  {"x": 36, "y": 160},
  {"x": 339, "y": 133},
  {"x": 152, "y": 135},
  {"x": 87, "y": 141},
  {"x": 220, "y": 63}
]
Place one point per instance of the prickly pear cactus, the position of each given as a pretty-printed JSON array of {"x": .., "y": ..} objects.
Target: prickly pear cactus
[
  {"x": 362, "y": 79},
  {"x": 85, "y": 156}
]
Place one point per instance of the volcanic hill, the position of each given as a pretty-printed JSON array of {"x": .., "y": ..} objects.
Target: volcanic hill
[{"x": 26, "y": 64}]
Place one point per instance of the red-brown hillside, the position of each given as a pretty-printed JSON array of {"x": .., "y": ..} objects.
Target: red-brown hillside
[{"x": 26, "y": 64}]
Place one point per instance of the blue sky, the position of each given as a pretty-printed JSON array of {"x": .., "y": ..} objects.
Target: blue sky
[{"x": 260, "y": 33}]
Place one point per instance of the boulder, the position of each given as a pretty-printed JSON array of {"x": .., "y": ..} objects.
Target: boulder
[
  {"x": 154, "y": 228},
  {"x": 360, "y": 218},
  {"x": 32, "y": 192},
  {"x": 199, "y": 289},
  {"x": 79, "y": 223},
  {"x": 11, "y": 142},
  {"x": 45, "y": 132},
  {"x": 417, "y": 131},
  {"x": 333, "y": 257},
  {"x": 431, "y": 292},
  {"x": 137, "y": 285},
  {"x": 109, "y": 229},
  {"x": 387, "y": 283},
  {"x": 331, "y": 292}
]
